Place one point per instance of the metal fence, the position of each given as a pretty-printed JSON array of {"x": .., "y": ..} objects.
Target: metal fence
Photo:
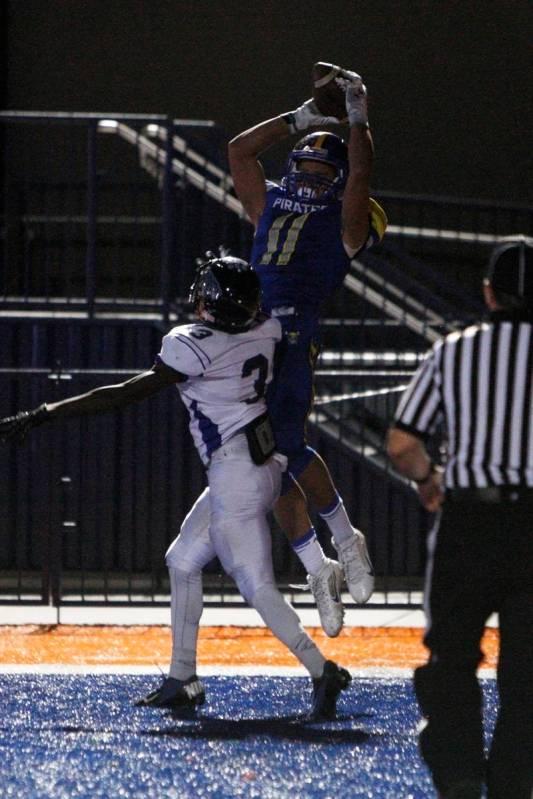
[
  {"x": 90, "y": 505},
  {"x": 105, "y": 212},
  {"x": 86, "y": 222}
]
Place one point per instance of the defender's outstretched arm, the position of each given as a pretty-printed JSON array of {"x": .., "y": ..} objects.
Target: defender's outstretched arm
[{"x": 104, "y": 398}]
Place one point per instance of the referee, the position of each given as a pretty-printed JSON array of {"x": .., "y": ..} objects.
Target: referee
[{"x": 477, "y": 386}]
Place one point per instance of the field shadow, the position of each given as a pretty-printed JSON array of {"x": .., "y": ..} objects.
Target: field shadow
[{"x": 297, "y": 727}]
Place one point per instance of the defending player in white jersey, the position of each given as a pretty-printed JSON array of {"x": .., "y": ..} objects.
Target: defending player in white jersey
[
  {"x": 221, "y": 366},
  {"x": 227, "y": 374}
]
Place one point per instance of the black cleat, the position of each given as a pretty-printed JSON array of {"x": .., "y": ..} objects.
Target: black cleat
[
  {"x": 326, "y": 690},
  {"x": 176, "y": 694}
]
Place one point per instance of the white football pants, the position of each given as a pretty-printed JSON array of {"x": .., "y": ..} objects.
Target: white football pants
[{"x": 229, "y": 520}]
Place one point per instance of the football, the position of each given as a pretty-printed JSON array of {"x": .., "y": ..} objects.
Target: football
[{"x": 328, "y": 95}]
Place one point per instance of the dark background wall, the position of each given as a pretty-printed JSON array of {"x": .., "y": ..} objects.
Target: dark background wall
[{"x": 450, "y": 82}]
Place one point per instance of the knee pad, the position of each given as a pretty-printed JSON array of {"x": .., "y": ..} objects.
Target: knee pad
[
  {"x": 172, "y": 558},
  {"x": 193, "y": 548},
  {"x": 189, "y": 556}
]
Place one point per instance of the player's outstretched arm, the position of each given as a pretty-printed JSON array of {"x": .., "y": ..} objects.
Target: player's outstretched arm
[
  {"x": 355, "y": 204},
  {"x": 247, "y": 170},
  {"x": 104, "y": 398},
  {"x": 244, "y": 151}
]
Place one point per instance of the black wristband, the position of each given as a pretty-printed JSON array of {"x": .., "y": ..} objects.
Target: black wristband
[
  {"x": 432, "y": 469},
  {"x": 289, "y": 119}
]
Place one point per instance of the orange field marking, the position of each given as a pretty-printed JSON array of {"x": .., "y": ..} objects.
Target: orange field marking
[{"x": 228, "y": 646}]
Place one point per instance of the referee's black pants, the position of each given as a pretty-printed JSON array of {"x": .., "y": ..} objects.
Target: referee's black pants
[{"x": 482, "y": 562}]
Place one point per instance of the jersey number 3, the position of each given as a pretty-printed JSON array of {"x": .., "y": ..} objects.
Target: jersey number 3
[{"x": 256, "y": 364}]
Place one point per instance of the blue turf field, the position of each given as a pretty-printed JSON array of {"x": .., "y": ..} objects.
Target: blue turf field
[{"x": 70, "y": 736}]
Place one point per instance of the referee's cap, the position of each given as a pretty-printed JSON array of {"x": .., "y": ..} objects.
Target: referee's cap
[{"x": 510, "y": 268}]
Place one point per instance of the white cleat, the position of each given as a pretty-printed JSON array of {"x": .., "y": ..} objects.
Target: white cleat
[
  {"x": 357, "y": 567},
  {"x": 326, "y": 589}
]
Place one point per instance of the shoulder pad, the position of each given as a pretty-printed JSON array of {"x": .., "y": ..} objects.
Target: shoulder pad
[{"x": 183, "y": 349}]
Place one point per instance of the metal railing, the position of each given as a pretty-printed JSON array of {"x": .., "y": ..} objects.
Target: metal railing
[
  {"x": 85, "y": 227},
  {"x": 90, "y": 505},
  {"x": 104, "y": 212}
]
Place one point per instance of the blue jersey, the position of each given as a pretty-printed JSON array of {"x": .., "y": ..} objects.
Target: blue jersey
[{"x": 298, "y": 251}]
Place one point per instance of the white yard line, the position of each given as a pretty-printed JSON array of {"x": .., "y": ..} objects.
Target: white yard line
[
  {"x": 211, "y": 617},
  {"x": 376, "y": 672}
]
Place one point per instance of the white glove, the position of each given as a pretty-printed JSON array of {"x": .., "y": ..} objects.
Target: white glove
[
  {"x": 355, "y": 97},
  {"x": 306, "y": 116}
]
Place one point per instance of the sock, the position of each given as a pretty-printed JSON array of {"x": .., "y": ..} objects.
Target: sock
[
  {"x": 284, "y": 622},
  {"x": 337, "y": 520},
  {"x": 186, "y": 604},
  {"x": 310, "y": 552}
]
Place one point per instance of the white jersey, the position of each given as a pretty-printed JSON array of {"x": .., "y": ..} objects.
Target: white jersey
[{"x": 227, "y": 376}]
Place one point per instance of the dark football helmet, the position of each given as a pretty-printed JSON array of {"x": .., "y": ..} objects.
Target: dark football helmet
[
  {"x": 226, "y": 293},
  {"x": 327, "y": 148}
]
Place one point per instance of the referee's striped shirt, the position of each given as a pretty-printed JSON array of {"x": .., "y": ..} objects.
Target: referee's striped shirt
[{"x": 479, "y": 383}]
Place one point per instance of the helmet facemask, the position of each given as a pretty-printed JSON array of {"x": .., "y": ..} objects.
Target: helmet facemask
[
  {"x": 323, "y": 148},
  {"x": 311, "y": 185}
]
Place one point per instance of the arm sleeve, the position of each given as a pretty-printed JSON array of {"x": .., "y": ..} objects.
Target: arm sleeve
[
  {"x": 183, "y": 353},
  {"x": 420, "y": 409}
]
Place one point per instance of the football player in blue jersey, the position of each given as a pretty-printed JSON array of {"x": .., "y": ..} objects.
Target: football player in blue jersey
[{"x": 306, "y": 232}]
